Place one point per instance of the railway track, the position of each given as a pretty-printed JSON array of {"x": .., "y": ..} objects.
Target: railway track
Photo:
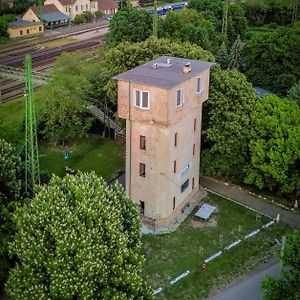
[{"x": 41, "y": 60}]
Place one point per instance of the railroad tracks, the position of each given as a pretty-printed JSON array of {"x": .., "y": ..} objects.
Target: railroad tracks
[{"x": 42, "y": 60}]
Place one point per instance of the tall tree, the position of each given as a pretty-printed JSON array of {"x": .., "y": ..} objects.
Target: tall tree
[
  {"x": 294, "y": 92},
  {"x": 227, "y": 123},
  {"x": 10, "y": 188},
  {"x": 129, "y": 24},
  {"x": 275, "y": 145},
  {"x": 222, "y": 56},
  {"x": 235, "y": 56},
  {"x": 287, "y": 286},
  {"x": 78, "y": 239}
]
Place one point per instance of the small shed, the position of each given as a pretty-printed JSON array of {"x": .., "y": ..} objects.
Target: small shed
[
  {"x": 205, "y": 211},
  {"x": 22, "y": 28}
]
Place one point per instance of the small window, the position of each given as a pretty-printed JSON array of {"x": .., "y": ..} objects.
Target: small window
[
  {"x": 21, "y": 32},
  {"x": 76, "y": 7},
  {"x": 66, "y": 9},
  {"x": 193, "y": 183},
  {"x": 195, "y": 124},
  {"x": 174, "y": 202},
  {"x": 81, "y": 7},
  {"x": 142, "y": 170},
  {"x": 40, "y": 28},
  {"x": 142, "y": 142},
  {"x": 142, "y": 207},
  {"x": 200, "y": 86},
  {"x": 142, "y": 99},
  {"x": 174, "y": 166},
  {"x": 87, "y": 7},
  {"x": 184, "y": 186},
  {"x": 179, "y": 100},
  {"x": 194, "y": 147},
  {"x": 27, "y": 31},
  {"x": 175, "y": 139}
]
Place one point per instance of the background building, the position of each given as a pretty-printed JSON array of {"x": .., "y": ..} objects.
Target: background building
[
  {"x": 21, "y": 28},
  {"x": 162, "y": 104}
]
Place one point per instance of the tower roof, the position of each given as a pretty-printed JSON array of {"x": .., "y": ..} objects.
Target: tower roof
[{"x": 165, "y": 71}]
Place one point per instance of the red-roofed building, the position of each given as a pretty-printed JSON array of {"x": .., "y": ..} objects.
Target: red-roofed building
[{"x": 72, "y": 8}]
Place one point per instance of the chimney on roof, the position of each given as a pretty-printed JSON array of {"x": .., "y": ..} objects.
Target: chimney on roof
[
  {"x": 155, "y": 66},
  {"x": 187, "y": 68}
]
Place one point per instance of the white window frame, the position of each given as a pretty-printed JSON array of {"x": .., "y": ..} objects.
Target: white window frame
[
  {"x": 141, "y": 99},
  {"x": 182, "y": 98},
  {"x": 201, "y": 78}
]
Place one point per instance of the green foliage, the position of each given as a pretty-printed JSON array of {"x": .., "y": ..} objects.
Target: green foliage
[
  {"x": 4, "y": 20},
  {"x": 237, "y": 22},
  {"x": 287, "y": 286},
  {"x": 99, "y": 14},
  {"x": 129, "y": 24},
  {"x": 79, "y": 19},
  {"x": 235, "y": 57},
  {"x": 78, "y": 239},
  {"x": 10, "y": 187},
  {"x": 273, "y": 54},
  {"x": 255, "y": 12},
  {"x": 64, "y": 117},
  {"x": 190, "y": 26},
  {"x": 126, "y": 56},
  {"x": 88, "y": 16},
  {"x": 294, "y": 92},
  {"x": 222, "y": 56},
  {"x": 275, "y": 145},
  {"x": 227, "y": 123}
]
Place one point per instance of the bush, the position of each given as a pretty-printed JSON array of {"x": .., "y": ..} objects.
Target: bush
[
  {"x": 88, "y": 16},
  {"x": 99, "y": 14},
  {"x": 79, "y": 19}
]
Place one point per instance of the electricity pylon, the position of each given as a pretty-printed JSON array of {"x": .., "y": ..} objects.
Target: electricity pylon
[
  {"x": 225, "y": 18},
  {"x": 155, "y": 20},
  {"x": 32, "y": 166}
]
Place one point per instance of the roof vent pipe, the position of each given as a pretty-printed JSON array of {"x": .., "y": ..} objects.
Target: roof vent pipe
[{"x": 187, "y": 68}]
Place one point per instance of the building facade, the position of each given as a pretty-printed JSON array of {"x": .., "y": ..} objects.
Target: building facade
[
  {"x": 162, "y": 104},
  {"x": 72, "y": 8},
  {"x": 22, "y": 28}
]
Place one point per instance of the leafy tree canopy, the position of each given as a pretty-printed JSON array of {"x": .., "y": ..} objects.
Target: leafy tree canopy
[
  {"x": 78, "y": 239},
  {"x": 129, "y": 24},
  {"x": 273, "y": 54},
  {"x": 275, "y": 145},
  {"x": 227, "y": 123},
  {"x": 287, "y": 286},
  {"x": 294, "y": 92}
]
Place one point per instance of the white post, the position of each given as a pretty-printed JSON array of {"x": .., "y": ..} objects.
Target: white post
[
  {"x": 278, "y": 218},
  {"x": 296, "y": 204}
]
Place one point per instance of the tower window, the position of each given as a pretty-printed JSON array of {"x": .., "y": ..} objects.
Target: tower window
[
  {"x": 175, "y": 139},
  {"x": 142, "y": 99},
  {"x": 142, "y": 207},
  {"x": 174, "y": 166},
  {"x": 142, "y": 170},
  {"x": 142, "y": 142},
  {"x": 200, "y": 86},
  {"x": 193, "y": 183},
  {"x": 179, "y": 99},
  {"x": 184, "y": 186},
  {"x": 194, "y": 146},
  {"x": 195, "y": 124},
  {"x": 174, "y": 202}
]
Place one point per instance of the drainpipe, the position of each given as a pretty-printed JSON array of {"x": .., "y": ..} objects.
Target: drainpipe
[{"x": 130, "y": 139}]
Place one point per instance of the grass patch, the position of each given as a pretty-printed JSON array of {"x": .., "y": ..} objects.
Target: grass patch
[
  {"x": 169, "y": 255},
  {"x": 90, "y": 154},
  {"x": 60, "y": 42}
]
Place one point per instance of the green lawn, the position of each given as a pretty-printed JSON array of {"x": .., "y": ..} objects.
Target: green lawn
[
  {"x": 169, "y": 255},
  {"x": 94, "y": 153}
]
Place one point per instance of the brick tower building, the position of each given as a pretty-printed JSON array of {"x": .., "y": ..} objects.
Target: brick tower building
[{"x": 162, "y": 104}]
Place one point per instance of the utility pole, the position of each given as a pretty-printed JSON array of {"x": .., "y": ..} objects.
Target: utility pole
[
  {"x": 225, "y": 18},
  {"x": 32, "y": 166},
  {"x": 155, "y": 21}
]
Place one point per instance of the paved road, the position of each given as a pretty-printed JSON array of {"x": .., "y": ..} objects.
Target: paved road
[
  {"x": 243, "y": 197},
  {"x": 248, "y": 288}
]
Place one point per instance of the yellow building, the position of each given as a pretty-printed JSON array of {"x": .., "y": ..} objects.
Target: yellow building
[
  {"x": 22, "y": 28},
  {"x": 162, "y": 104}
]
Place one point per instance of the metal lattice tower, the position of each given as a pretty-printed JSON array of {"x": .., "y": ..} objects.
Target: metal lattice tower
[
  {"x": 155, "y": 20},
  {"x": 225, "y": 18},
  {"x": 32, "y": 166}
]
